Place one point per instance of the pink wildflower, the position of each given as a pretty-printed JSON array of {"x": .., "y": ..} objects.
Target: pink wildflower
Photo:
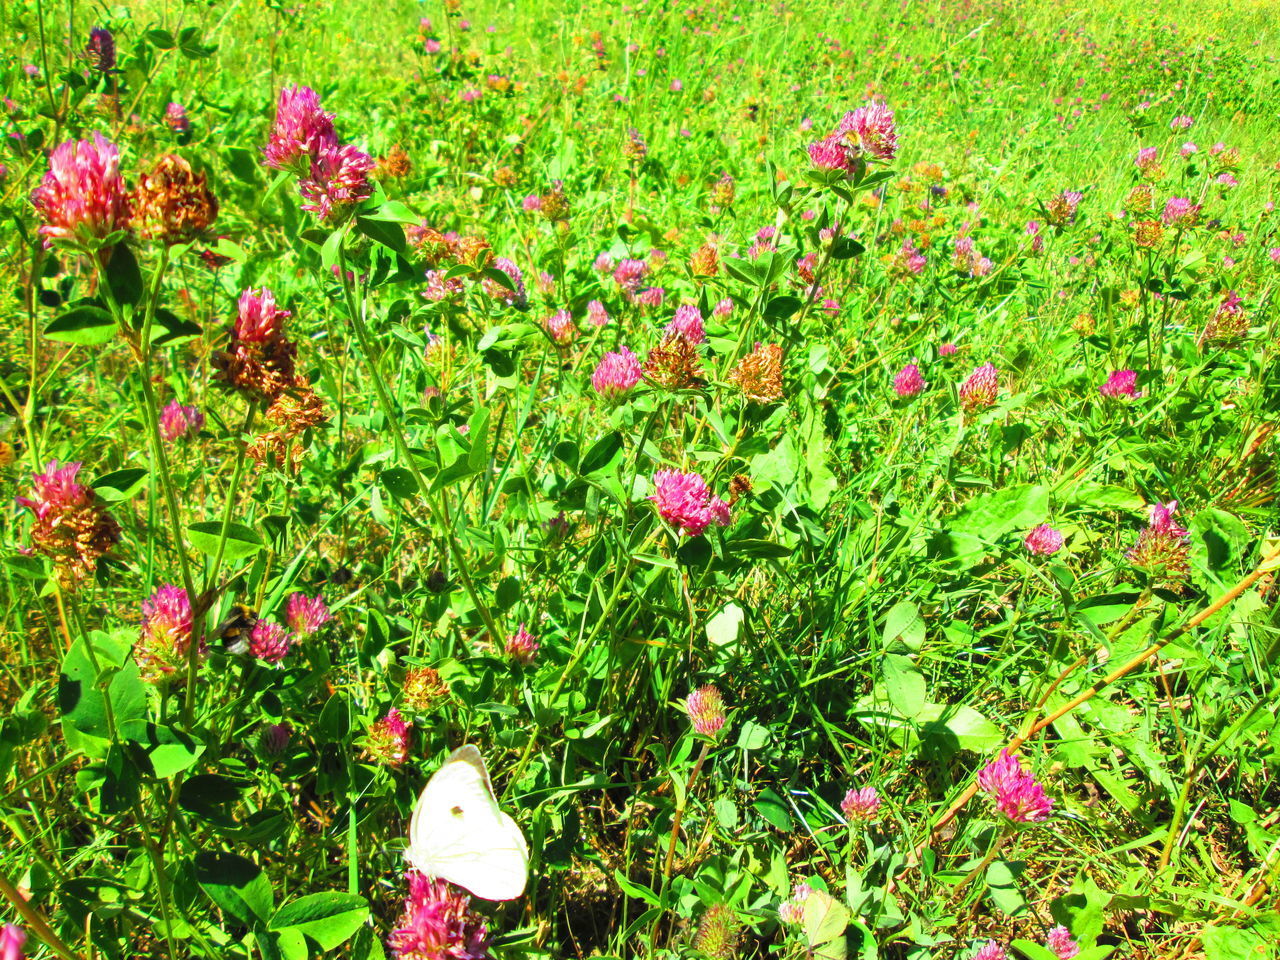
[
  {"x": 1181, "y": 123},
  {"x": 725, "y": 307},
  {"x": 1043, "y": 541},
  {"x": 980, "y": 389},
  {"x": 560, "y": 328},
  {"x": 908, "y": 382},
  {"x": 603, "y": 264},
  {"x": 71, "y": 525},
  {"x": 515, "y": 295},
  {"x": 437, "y": 924},
  {"x": 306, "y": 615},
  {"x": 268, "y": 641},
  {"x": 688, "y": 323},
  {"x": 597, "y": 316},
  {"x": 685, "y": 502},
  {"x": 990, "y": 951},
  {"x": 1121, "y": 383},
  {"x": 162, "y": 644},
  {"x": 82, "y": 196},
  {"x": 1017, "y": 794},
  {"x": 792, "y": 911},
  {"x": 650, "y": 298},
  {"x": 616, "y": 374},
  {"x": 1060, "y": 942},
  {"x": 829, "y": 155},
  {"x": 1163, "y": 546},
  {"x": 11, "y": 940},
  {"x": 338, "y": 180},
  {"x": 947, "y": 349},
  {"x": 1179, "y": 211},
  {"x": 1148, "y": 161},
  {"x": 389, "y": 739},
  {"x": 1187, "y": 149},
  {"x": 258, "y": 319},
  {"x": 860, "y": 805},
  {"x": 871, "y": 127},
  {"x": 175, "y": 115},
  {"x": 177, "y": 421},
  {"x": 301, "y": 129},
  {"x": 522, "y": 647},
  {"x": 275, "y": 738},
  {"x": 629, "y": 274},
  {"x": 101, "y": 50},
  {"x": 706, "y": 710}
]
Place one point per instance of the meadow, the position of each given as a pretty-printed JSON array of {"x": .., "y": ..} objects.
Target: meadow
[{"x": 688, "y": 480}]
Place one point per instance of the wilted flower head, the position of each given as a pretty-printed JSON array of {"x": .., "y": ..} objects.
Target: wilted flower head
[
  {"x": 82, "y": 196},
  {"x": 172, "y": 204},
  {"x": 616, "y": 374},
  {"x": 717, "y": 935},
  {"x": 268, "y": 641},
  {"x": 338, "y": 179},
  {"x": 423, "y": 688},
  {"x": 1061, "y": 209},
  {"x": 1043, "y": 541},
  {"x": 759, "y": 374},
  {"x": 723, "y": 191},
  {"x": 100, "y": 51},
  {"x": 175, "y": 115},
  {"x": 687, "y": 322},
  {"x": 706, "y": 710},
  {"x": 177, "y": 421},
  {"x": 705, "y": 261},
  {"x": 300, "y": 129},
  {"x": 306, "y": 615},
  {"x": 908, "y": 382},
  {"x": 674, "y": 363},
  {"x": 162, "y": 644},
  {"x": 685, "y": 502},
  {"x": 71, "y": 525},
  {"x": 1017, "y": 794},
  {"x": 860, "y": 805},
  {"x": 437, "y": 924},
  {"x": 1060, "y": 942},
  {"x": 1229, "y": 321},
  {"x": 633, "y": 146},
  {"x": 389, "y": 739},
  {"x": 1148, "y": 162},
  {"x": 1121, "y": 383},
  {"x": 980, "y": 389},
  {"x": 1162, "y": 548},
  {"x": 11, "y": 940},
  {"x": 522, "y": 647}
]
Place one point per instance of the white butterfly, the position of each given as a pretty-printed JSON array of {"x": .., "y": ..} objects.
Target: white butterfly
[{"x": 458, "y": 833}]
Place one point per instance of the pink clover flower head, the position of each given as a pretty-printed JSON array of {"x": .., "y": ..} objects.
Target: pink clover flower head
[
  {"x": 338, "y": 180},
  {"x": 515, "y": 296},
  {"x": 437, "y": 924},
  {"x": 616, "y": 374},
  {"x": 1121, "y": 383},
  {"x": 1163, "y": 546},
  {"x": 871, "y": 127},
  {"x": 431, "y": 45},
  {"x": 1147, "y": 160},
  {"x": 258, "y": 319},
  {"x": 268, "y": 641},
  {"x": 175, "y": 115},
  {"x": 980, "y": 389},
  {"x": 629, "y": 274},
  {"x": 1060, "y": 942},
  {"x": 860, "y": 805},
  {"x": 1187, "y": 149},
  {"x": 597, "y": 315},
  {"x": 908, "y": 382},
  {"x": 603, "y": 264},
  {"x": 1043, "y": 541},
  {"x": 1225, "y": 179},
  {"x": 1181, "y": 123},
  {"x": 82, "y": 195},
  {"x": 792, "y": 911},
  {"x": 990, "y": 951},
  {"x": 650, "y": 298},
  {"x": 947, "y": 349},
  {"x": 522, "y": 647},
  {"x": 165, "y": 637},
  {"x": 57, "y": 491},
  {"x": 1017, "y": 794},
  {"x": 1229, "y": 321},
  {"x": 725, "y": 307},
  {"x": 560, "y": 328},
  {"x": 178, "y": 421},
  {"x": 532, "y": 203},
  {"x": 275, "y": 738},
  {"x": 688, "y": 323},
  {"x": 705, "y": 707},
  {"x": 440, "y": 286},
  {"x": 306, "y": 615},
  {"x": 829, "y": 155},
  {"x": 1274, "y": 255},
  {"x": 685, "y": 502},
  {"x": 1179, "y": 210},
  {"x": 389, "y": 739},
  {"x": 300, "y": 130},
  {"x": 11, "y": 940},
  {"x": 101, "y": 50}
]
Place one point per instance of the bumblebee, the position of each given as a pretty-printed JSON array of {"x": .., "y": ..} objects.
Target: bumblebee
[{"x": 235, "y": 629}]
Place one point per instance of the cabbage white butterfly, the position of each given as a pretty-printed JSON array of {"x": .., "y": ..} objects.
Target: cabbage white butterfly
[{"x": 458, "y": 833}]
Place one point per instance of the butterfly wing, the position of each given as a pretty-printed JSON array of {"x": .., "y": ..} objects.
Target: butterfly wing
[{"x": 458, "y": 833}]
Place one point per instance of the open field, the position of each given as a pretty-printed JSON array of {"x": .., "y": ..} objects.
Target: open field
[{"x": 822, "y": 459}]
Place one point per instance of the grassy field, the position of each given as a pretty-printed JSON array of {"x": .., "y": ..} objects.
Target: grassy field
[{"x": 823, "y": 459}]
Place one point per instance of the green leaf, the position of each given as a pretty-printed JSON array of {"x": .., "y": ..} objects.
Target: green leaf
[
  {"x": 168, "y": 328},
  {"x": 825, "y": 919},
  {"x": 329, "y": 253},
  {"x": 753, "y": 736},
  {"x": 782, "y": 308},
  {"x": 1218, "y": 544},
  {"x": 235, "y": 884},
  {"x": 904, "y": 627},
  {"x": 604, "y": 453},
  {"x": 161, "y": 39},
  {"x": 241, "y": 540},
  {"x": 846, "y": 248},
  {"x": 86, "y": 326},
  {"x": 635, "y": 890},
  {"x": 398, "y": 482},
  {"x": 123, "y": 276},
  {"x": 902, "y": 684},
  {"x": 327, "y": 918},
  {"x": 1233, "y": 943},
  {"x": 81, "y": 699},
  {"x": 120, "y": 485},
  {"x": 168, "y": 751},
  {"x": 722, "y": 629},
  {"x": 970, "y": 729},
  {"x": 773, "y": 809},
  {"x": 389, "y": 233}
]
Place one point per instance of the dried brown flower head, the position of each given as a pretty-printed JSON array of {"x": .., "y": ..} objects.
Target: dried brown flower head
[
  {"x": 674, "y": 363},
  {"x": 171, "y": 203},
  {"x": 759, "y": 374}
]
